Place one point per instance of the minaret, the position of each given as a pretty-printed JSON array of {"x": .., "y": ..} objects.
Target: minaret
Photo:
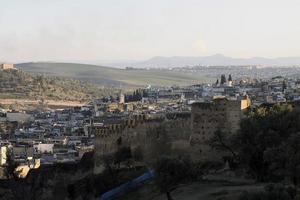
[
  {"x": 182, "y": 98},
  {"x": 122, "y": 98},
  {"x": 96, "y": 109}
]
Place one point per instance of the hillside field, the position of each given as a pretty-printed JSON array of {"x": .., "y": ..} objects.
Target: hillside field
[{"x": 106, "y": 76}]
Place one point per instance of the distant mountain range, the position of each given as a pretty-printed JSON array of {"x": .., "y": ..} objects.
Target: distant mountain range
[
  {"x": 217, "y": 59},
  {"x": 183, "y": 61}
]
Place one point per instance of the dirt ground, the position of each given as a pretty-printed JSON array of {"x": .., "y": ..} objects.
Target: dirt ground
[
  {"x": 213, "y": 191},
  {"x": 195, "y": 191},
  {"x": 212, "y": 187}
]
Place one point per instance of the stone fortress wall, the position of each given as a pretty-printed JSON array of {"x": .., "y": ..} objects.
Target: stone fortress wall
[
  {"x": 135, "y": 132},
  {"x": 221, "y": 114},
  {"x": 186, "y": 131}
]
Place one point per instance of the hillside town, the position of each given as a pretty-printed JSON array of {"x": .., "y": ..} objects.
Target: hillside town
[
  {"x": 33, "y": 138},
  {"x": 151, "y": 100}
]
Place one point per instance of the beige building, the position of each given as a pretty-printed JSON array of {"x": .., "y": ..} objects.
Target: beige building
[
  {"x": 208, "y": 117},
  {"x": 6, "y": 66}
]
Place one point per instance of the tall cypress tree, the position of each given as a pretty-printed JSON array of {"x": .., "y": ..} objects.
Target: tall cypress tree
[
  {"x": 229, "y": 77},
  {"x": 223, "y": 79}
]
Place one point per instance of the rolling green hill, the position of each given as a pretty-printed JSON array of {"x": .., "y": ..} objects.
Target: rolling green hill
[{"x": 106, "y": 76}]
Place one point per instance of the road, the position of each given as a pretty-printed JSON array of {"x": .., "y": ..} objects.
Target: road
[{"x": 50, "y": 103}]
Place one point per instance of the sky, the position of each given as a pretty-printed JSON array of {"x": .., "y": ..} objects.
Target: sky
[{"x": 49, "y": 30}]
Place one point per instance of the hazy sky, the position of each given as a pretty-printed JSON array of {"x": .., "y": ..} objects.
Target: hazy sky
[{"x": 140, "y": 29}]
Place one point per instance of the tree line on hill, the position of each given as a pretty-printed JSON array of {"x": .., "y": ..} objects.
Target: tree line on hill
[
  {"x": 137, "y": 95},
  {"x": 19, "y": 84}
]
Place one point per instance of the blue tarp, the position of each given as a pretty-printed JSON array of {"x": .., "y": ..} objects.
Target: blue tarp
[{"x": 122, "y": 189}]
